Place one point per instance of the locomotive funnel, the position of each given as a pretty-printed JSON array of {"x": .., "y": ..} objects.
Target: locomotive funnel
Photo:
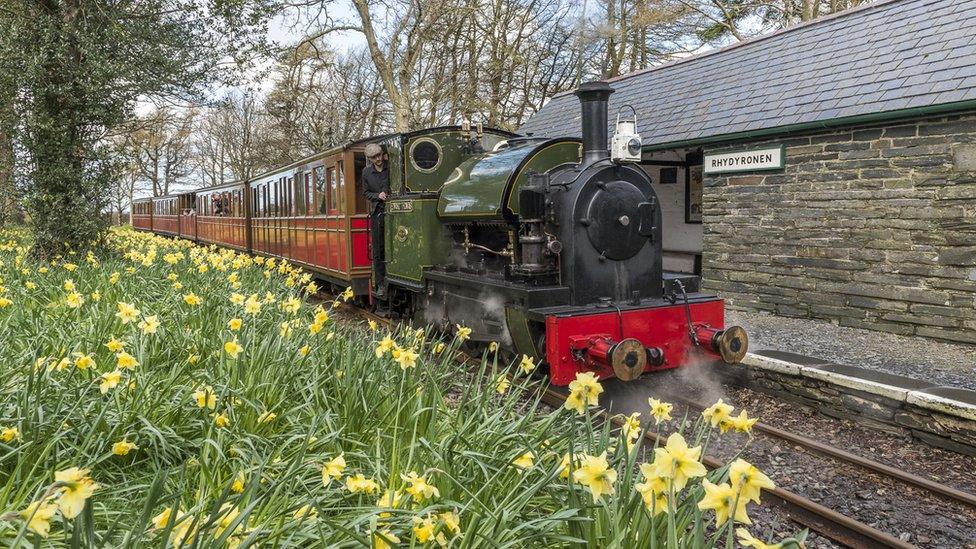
[{"x": 593, "y": 98}]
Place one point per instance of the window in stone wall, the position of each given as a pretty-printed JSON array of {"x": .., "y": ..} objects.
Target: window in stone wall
[{"x": 693, "y": 194}]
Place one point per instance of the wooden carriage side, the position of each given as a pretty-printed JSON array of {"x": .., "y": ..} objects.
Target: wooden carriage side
[
  {"x": 142, "y": 214},
  {"x": 221, "y": 217}
]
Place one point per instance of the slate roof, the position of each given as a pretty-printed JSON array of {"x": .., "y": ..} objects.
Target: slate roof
[{"x": 882, "y": 57}]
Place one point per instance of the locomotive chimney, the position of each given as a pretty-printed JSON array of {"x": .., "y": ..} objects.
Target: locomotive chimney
[{"x": 593, "y": 98}]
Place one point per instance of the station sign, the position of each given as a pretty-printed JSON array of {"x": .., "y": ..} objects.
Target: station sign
[{"x": 749, "y": 160}]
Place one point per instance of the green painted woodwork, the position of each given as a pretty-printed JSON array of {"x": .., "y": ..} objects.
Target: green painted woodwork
[
  {"x": 545, "y": 158},
  {"x": 452, "y": 145},
  {"x": 482, "y": 185},
  {"x": 414, "y": 237}
]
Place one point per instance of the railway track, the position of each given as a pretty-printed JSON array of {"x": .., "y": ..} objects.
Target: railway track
[{"x": 826, "y": 522}]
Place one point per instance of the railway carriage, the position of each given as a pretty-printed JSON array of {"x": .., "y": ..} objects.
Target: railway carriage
[{"x": 550, "y": 247}]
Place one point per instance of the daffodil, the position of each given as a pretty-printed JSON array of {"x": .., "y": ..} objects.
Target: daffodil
[
  {"x": 9, "y": 434},
  {"x": 252, "y": 306},
  {"x": 359, "y": 484},
  {"x": 237, "y": 299},
  {"x": 114, "y": 345},
  {"x": 372, "y": 325},
  {"x": 347, "y": 294},
  {"x": 584, "y": 391},
  {"x": 305, "y": 512},
  {"x": 238, "y": 485},
  {"x": 110, "y": 380},
  {"x": 267, "y": 417},
  {"x": 463, "y": 332},
  {"x": 747, "y": 540},
  {"x": 660, "y": 411},
  {"x": 743, "y": 423},
  {"x": 677, "y": 462},
  {"x": 333, "y": 469},
  {"x": 84, "y": 361},
  {"x": 291, "y": 305},
  {"x": 74, "y": 300},
  {"x": 502, "y": 384},
  {"x": 222, "y": 421},
  {"x": 192, "y": 299},
  {"x": 748, "y": 480},
  {"x": 493, "y": 347},
  {"x": 423, "y": 531},
  {"x": 721, "y": 498},
  {"x": 233, "y": 349},
  {"x": 149, "y": 324},
  {"x": 527, "y": 364},
  {"x": 125, "y": 361},
  {"x": 654, "y": 490},
  {"x": 76, "y": 488},
  {"x": 235, "y": 324},
  {"x": 123, "y": 447},
  {"x": 389, "y": 499},
  {"x": 205, "y": 397},
  {"x": 439, "y": 348},
  {"x": 595, "y": 473},
  {"x": 717, "y": 413},
  {"x": 419, "y": 488},
  {"x": 384, "y": 539},
  {"x": 227, "y": 515},
  {"x": 407, "y": 358},
  {"x": 127, "y": 312},
  {"x": 524, "y": 461},
  {"x": 384, "y": 346},
  {"x": 631, "y": 429},
  {"x": 38, "y": 516}
]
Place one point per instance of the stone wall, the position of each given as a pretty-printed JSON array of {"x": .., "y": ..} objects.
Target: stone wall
[{"x": 870, "y": 227}]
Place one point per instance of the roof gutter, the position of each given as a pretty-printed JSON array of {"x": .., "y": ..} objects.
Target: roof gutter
[{"x": 900, "y": 114}]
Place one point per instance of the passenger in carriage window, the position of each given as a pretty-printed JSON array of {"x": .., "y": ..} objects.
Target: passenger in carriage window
[{"x": 376, "y": 189}]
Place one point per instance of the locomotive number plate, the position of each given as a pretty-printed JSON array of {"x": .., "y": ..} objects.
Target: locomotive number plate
[{"x": 400, "y": 206}]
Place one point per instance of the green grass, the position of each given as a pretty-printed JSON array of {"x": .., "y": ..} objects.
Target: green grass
[{"x": 330, "y": 394}]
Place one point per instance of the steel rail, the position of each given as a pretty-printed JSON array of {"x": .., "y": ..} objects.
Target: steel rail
[
  {"x": 818, "y": 518},
  {"x": 861, "y": 461}
]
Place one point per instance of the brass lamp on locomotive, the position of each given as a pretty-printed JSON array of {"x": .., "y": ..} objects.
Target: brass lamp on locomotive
[{"x": 551, "y": 247}]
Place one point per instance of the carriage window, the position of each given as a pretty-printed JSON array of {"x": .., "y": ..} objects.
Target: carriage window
[
  {"x": 299, "y": 184},
  {"x": 309, "y": 193},
  {"x": 320, "y": 189},
  {"x": 342, "y": 186},
  {"x": 333, "y": 190}
]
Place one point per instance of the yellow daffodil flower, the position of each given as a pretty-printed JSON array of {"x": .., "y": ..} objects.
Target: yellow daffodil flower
[
  {"x": 502, "y": 384},
  {"x": 192, "y": 299},
  {"x": 390, "y": 500},
  {"x": 493, "y": 347},
  {"x": 77, "y": 487},
  {"x": 123, "y": 447},
  {"x": 114, "y": 345},
  {"x": 359, "y": 484},
  {"x": 74, "y": 300},
  {"x": 235, "y": 324},
  {"x": 305, "y": 512},
  {"x": 205, "y": 397},
  {"x": 233, "y": 349},
  {"x": 333, "y": 469},
  {"x": 743, "y": 423},
  {"x": 439, "y": 348},
  {"x": 127, "y": 312},
  {"x": 384, "y": 539},
  {"x": 525, "y": 461},
  {"x": 748, "y": 480},
  {"x": 721, "y": 498},
  {"x": 407, "y": 358},
  {"x": 747, "y": 540},
  {"x": 677, "y": 462},
  {"x": 595, "y": 473},
  {"x": 149, "y": 324},
  {"x": 419, "y": 488},
  {"x": 527, "y": 364},
  {"x": 347, "y": 294},
  {"x": 237, "y": 299},
  {"x": 238, "y": 485},
  {"x": 660, "y": 411},
  {"x": 125, "y": 361},
  {"x": 584, "y": 392},
  {"x": 110, "y": 380},
  {"x": 717, "y": 413},
  {"x": 654, "y": 490},
  {"x": 9, "y": 434},
  {"x": 463, "y": 332},
  {"x": 222, "y": 421},
  {"x": 84, "y": 361},
  {"x": 267, "y": 417},
  {"x": 38, "y": 516}
]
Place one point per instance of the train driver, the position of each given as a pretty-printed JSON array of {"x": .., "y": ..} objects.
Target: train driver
[{"x": 376, "y": 189}]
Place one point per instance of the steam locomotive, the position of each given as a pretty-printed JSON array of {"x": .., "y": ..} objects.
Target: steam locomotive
[{"x": 549, "y": 247}]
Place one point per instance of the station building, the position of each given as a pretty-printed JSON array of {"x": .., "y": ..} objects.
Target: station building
[{"x": 824, "y": 171}]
